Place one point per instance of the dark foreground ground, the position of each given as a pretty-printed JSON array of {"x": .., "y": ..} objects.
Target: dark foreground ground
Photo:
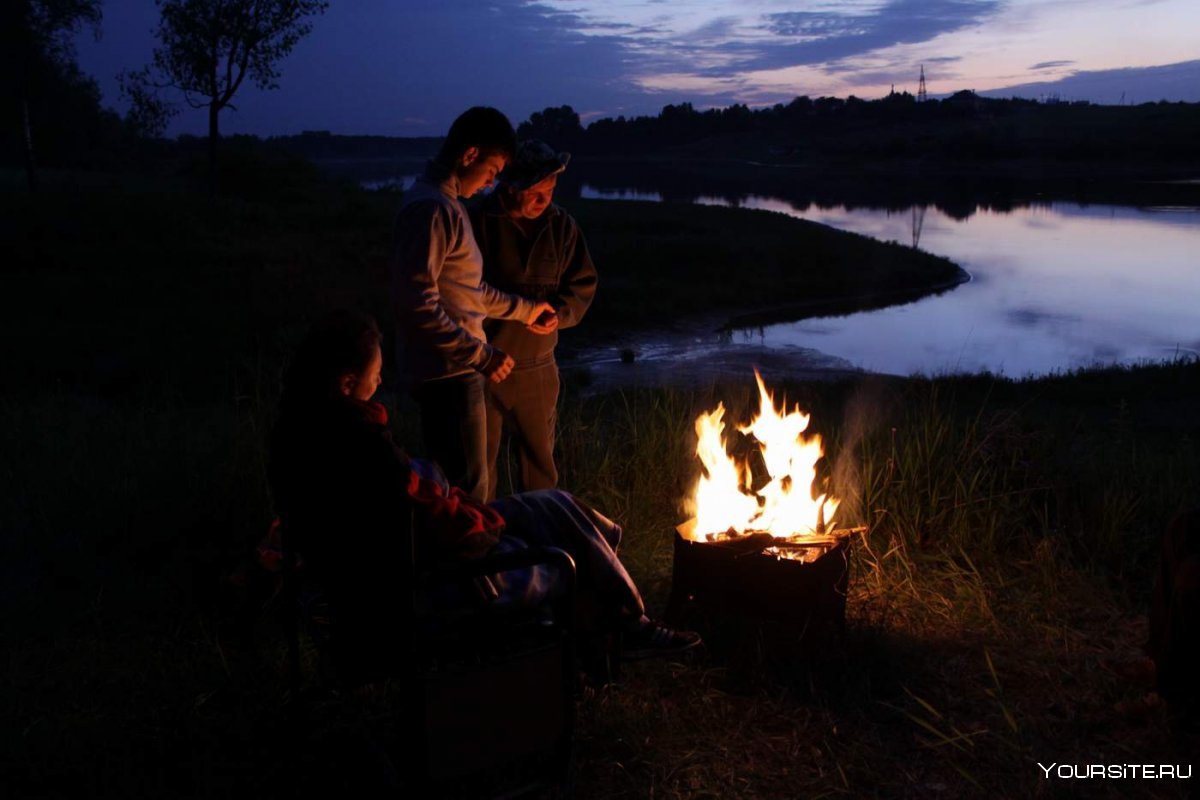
[{"x": 1004, "y": 577}]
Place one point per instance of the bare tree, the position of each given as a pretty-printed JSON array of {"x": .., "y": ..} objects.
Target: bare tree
[
  {"x": 207, "y": 48},
  {"x": 36, "y": 38}
]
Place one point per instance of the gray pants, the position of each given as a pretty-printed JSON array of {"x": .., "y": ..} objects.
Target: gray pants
[{"x": 524, "y": 405}]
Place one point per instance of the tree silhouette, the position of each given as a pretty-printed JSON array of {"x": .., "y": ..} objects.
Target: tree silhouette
[
  {"x": 559, "y": 126},
  {"x": 36, "y": 50},
  {"x": 207, "y": 48},
  {"x": 148, "y": 113}
]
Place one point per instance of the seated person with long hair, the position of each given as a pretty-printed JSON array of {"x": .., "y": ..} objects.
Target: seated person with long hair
[{"x": 345, "y": 490}]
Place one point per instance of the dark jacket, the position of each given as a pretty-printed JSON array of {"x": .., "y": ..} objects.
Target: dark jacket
[
  {"x": 552, "y": 264},
  {"x": 349, "y": 498}
]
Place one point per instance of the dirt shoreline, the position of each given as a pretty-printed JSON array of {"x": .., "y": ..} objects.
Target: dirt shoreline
[{"x": 698, "y": 350}]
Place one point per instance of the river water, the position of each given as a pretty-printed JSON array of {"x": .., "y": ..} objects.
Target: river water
[{"x": 1055, "y": 285}]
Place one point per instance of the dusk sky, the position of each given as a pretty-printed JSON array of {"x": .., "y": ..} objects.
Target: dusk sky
[{"x": 403, "y": 68}]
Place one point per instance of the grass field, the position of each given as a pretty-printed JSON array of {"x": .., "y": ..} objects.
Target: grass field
[{"x": 1010, "y": 553}]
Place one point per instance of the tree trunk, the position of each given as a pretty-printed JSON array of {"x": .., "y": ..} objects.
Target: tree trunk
[
  {"x": 27, "y": 136},
  {"x": 213, "y": 134}
]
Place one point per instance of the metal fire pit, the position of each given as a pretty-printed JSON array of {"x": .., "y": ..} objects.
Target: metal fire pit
[{"x": 741, "y": 578}]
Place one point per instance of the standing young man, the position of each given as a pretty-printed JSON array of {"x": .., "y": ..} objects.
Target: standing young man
[
  {"x": 440, "y": 299},
  {"x": 532, "y": 247}
]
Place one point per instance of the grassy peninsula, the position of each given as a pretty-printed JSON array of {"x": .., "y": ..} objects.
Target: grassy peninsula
[{"x": 663, "y": 261}]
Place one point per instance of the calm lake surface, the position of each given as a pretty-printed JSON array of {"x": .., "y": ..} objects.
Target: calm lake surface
[{"x": 1055, "y": 285}]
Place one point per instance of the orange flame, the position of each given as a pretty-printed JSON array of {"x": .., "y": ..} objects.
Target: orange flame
[{"x": 785, "y": 508}]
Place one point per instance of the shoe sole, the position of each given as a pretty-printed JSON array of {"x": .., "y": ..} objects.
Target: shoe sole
[{"x": 641, "y": 655}]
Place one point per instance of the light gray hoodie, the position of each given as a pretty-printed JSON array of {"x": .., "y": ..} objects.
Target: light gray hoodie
[{"x": 438, "y": 293}]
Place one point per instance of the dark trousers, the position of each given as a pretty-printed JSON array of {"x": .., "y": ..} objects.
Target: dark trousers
[
  {"x": 453, "y": 424},
  {"x": 1175, "y": 617},
  {"x": 525, "y": 406}
]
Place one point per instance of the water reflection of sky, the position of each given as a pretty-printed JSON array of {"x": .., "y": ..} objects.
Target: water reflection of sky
[
  {"x": 592, "y": 193},
  {"x": 1055, "y": 286},
  {"x": 398, "y": 183}
]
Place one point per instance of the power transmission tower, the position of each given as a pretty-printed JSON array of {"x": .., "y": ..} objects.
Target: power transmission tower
[
  {"x": 918, "y": 223},
  {"x": 922, "y": 95}
]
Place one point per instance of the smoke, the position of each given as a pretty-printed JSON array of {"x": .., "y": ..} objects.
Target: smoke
[{"x": 862, "y": 416}]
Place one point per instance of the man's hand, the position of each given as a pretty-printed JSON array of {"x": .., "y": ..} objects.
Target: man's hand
[
  {"x": 543, "y": 320},
  {"x": 498, "y": 366}
]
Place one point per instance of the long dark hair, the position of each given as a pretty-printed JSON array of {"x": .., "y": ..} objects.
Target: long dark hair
[{"x": 338, "y": 343}]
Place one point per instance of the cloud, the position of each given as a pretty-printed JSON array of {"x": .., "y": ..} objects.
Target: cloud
[
  {"x": 715, "y": 31},
  {"x": 1180, "y": 82},
  {"x": 820, "y": 37},
  {"x": 384, "y": 63},
  {"x": 751, "y": 41},
  {"x": 813, "y": 25},
  {"x": 1051, "y": 64},
  {"x": 409, "y": 68}
]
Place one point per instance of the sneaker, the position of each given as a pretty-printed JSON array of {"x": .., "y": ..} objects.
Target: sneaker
[{"x": 653, "y": 640}]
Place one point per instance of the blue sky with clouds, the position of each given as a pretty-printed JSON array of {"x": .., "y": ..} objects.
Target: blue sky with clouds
[{"x": 399, "y": 67}]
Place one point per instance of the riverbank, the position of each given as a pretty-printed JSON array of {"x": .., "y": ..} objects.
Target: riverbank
[
  {"x": 665, "y": 263},
  {"x": 234, "y": 283}
]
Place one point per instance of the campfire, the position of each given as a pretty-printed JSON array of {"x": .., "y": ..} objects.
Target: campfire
[
  {"x": 761, "y": 540},
  {"x": 789, "y": 506}
]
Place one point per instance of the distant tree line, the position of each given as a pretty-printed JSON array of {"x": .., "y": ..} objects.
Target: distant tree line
[{"x": 963, "y": 125}]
